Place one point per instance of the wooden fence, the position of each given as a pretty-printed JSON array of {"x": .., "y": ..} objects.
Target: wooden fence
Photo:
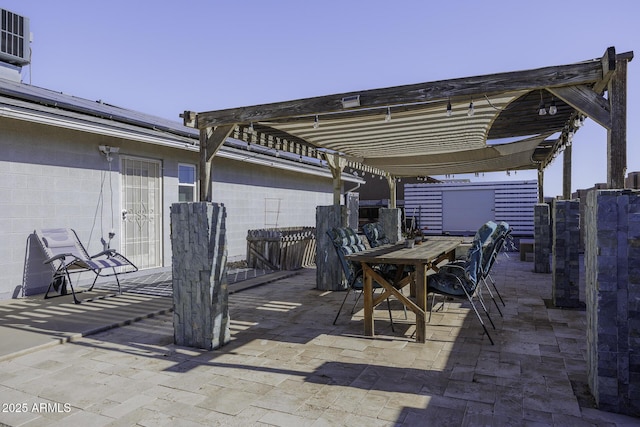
[{"x": 281, "y": 248}]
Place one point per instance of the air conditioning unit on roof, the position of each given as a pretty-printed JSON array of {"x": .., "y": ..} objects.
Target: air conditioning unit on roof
[{"x": 14, "y": 38}]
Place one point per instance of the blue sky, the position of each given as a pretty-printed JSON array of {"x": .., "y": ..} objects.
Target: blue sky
[{"x": 163, "y": 57}]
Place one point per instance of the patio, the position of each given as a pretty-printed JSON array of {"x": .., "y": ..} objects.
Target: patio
[{"x": 288, "y": 365}]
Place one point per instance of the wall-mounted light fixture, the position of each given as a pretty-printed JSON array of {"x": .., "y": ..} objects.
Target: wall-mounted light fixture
[
  {"x": 449, "y": 111},
  {"x": 107, "y": 151}
]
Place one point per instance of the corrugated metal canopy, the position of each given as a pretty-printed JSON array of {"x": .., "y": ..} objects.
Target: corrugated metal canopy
[{"x": 408, "y": 130}]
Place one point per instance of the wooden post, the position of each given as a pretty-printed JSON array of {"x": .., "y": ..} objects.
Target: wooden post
[
  {"x": 336, "y": 164},
  {"x": 617, "y": 135},
  {"x": 392, "y": 191},
  {"x": 566, "y": 173},
  {"x": 540, "y": 185},
  {"x": 210, "y": 142},
  {"x": 205, "y": 170}
]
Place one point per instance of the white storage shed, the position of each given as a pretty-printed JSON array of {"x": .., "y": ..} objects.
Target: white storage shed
[{"x": 459, "y": 208}]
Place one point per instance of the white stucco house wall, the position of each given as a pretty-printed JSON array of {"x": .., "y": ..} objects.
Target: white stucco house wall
[{"x": 100, "y": 169}]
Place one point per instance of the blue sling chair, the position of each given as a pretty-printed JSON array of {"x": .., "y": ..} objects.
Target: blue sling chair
[
  {"x": 461, "y": 279},
  {"x": 499, "y": 239},
  {"x": 487, "y": 236},
  {"x": 346, "y": 241}
]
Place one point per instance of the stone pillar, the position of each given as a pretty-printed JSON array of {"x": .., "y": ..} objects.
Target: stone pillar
[
  {"x": 353, "y": 210},
  {"x": 199, "y": 266},
  {"x": 328, "y": 269},
  {"x": 542, "y": 238},
  {"x": 566, "y": 244},
  {"x": 390, "y": 220},
  {"x": 612, "y": 254}
]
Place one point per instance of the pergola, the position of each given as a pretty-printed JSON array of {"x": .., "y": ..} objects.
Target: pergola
[{"x": 498, "y": 122}]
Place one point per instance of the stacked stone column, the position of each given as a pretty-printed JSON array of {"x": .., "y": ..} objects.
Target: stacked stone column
[
  {"x": 390, "y": 219},
  {"x": 612, "y": 264},
  {"x": 328, "y": 269},
  {"x": 566, "y": 243},
  {"x": 542, "y": 242},
  {"x": 199, "y": 267}
]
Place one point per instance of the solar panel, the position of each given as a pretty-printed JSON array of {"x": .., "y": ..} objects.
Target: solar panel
[{"x": 94, "y": 108}]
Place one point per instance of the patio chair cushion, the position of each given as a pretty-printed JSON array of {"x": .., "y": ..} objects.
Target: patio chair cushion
[
  {"x": 452, "y": 277},
  {"x": 347, "y": 240},
  {"x": 490, "y": 253},
  {"x": 375, "y": 234}
]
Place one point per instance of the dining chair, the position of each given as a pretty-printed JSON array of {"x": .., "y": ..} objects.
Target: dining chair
[
  {"x": 461, "y": 280},
  {"x": 499, "y": 239},
  {"x": 487, "y": 236},
  {"x": 346, "y": 241}
]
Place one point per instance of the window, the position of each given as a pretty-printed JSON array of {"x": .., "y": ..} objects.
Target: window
[{"x": 186, "y": 183}]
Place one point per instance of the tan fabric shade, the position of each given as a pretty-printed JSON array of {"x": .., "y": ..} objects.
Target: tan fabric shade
[
  {"x": 423, "y": 130},
  {"x": 490, "y": 158}
]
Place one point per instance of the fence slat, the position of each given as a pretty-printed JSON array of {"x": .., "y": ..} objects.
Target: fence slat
[{"x": 288, "y": 248}]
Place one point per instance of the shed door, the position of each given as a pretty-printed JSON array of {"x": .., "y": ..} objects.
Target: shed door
[
  {"x": 464, "y": 211},
  {"x": 142, "y": 211}
]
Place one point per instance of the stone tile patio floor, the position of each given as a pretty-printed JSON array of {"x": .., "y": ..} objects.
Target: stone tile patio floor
[{"x": 287, "y": 365}]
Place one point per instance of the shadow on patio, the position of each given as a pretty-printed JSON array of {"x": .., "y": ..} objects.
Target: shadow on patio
[{"x": 288, "y": 365}]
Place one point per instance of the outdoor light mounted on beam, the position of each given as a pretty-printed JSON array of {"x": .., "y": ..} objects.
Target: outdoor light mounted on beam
[
  {"x": 471, "y": 110},
  {"x": 542, "y": 109},
  {"x": 553, "y": 109},
  {"x": 351, "y": 101}
]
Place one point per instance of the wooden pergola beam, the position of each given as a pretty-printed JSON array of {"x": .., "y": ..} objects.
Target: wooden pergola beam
[
  {"x": 557, "y": 76},
  {"x": 587, "y": 101},
  {"x": 608, "y": 62}
]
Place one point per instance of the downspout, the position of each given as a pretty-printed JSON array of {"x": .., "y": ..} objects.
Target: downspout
[{"x": 354, "y": 188}]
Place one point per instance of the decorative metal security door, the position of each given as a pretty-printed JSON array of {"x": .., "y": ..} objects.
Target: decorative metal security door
[{"x": 142, "y": 211}]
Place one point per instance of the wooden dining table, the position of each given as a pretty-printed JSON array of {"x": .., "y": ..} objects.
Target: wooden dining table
[{"x": 423, "y": 257}]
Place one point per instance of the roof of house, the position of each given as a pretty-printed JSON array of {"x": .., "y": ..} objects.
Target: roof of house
[
  {"x": 39, "y": 105},
  {"x": 34, "y": 98}
]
